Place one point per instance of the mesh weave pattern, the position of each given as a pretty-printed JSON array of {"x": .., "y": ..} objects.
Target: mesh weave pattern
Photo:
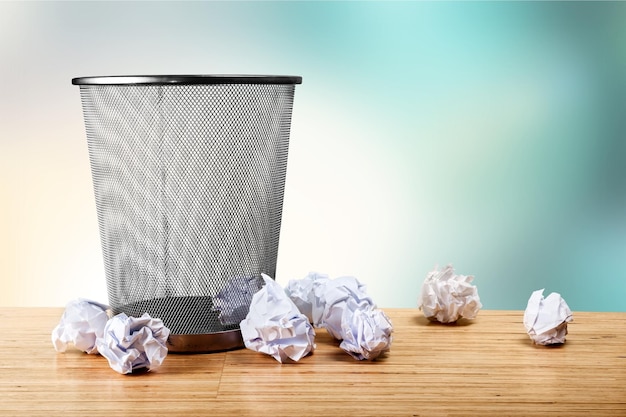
[{"x": 189, "y": 183}]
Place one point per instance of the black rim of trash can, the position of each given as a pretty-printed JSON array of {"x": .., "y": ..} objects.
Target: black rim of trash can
[{"x": 186, "y": 79}]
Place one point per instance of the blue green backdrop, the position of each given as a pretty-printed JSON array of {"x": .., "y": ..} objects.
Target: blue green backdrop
[{"x": 489, "y": 135}]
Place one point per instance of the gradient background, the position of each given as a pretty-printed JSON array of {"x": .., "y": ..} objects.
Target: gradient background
[{"x": 487, "y": 135}]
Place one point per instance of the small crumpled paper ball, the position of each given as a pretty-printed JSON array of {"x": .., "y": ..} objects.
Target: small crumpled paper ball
[
  {"x": 233, "y": 301},
  {"x": 366, "y": 333},
  {"x": 546, "y": 318},
  {"x": 447, "y": 297},
  {"x": 81, "y": 324},
  {"x": 131, "y": 344},
  {"x": 344, "y": 309},
  {"x": 336, "y": 297},
  {"x": 275, "y": 326},
  {"x": 302, "y": 292}
]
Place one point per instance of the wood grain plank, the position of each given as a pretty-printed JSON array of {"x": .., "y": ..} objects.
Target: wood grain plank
[{"x": 484, "y": 367}]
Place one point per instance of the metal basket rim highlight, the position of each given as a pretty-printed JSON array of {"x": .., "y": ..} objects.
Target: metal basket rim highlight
[{"x": 186, "y": 79}]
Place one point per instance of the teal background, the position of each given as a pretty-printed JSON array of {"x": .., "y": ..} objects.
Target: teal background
[{"x": 489, "y": 135}]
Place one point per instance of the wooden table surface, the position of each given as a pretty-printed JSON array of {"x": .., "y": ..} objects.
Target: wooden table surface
[{"x": 484, "y": 367}]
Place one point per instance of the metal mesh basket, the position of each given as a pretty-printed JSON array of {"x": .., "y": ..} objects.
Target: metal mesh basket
[{"x": 189, "y": 175}]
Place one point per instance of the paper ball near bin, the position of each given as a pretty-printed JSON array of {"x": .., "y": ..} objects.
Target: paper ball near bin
[{"x": 189, "y": 175}]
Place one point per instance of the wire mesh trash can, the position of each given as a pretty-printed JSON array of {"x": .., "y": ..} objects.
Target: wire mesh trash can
[{"x": 188, "y": 174}]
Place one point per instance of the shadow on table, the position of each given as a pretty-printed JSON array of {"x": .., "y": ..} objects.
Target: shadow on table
[{"x": 423, "y": 321}]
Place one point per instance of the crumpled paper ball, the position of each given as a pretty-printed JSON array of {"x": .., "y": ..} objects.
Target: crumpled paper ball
[
  {"x": 233, "y": 301},
  {"x": 333, "y": 298},
  {"x": 344, "y": 309},
  {"x": 275, "y": 326},
  {"x": 546, "y": 318},
  {"x": 447, "y": 297},
  {"x": 131, "y": 344},
  {"x": 366, "y": 332},
  {"x": 301, "y": 292},
  {"x": 81, "y": 324}
]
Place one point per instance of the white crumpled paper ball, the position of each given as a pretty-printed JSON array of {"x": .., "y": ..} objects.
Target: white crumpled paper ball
[
  {"x": 366, "y": 333},
  {"x": 447, "y": 297},
  {"x": 275, "y": 326},
  {"x": 302, "y": 292},
  {"x": 333, "y": 298},
  {"x": 81, "y": 324},
  {"x": 131, "y": 344},
  {"x": 546, "y": 318},
  {"x": 344, "y": 309}
]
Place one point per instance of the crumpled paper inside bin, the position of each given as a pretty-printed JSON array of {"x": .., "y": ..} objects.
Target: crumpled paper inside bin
[{"x": 233, "y": 301}]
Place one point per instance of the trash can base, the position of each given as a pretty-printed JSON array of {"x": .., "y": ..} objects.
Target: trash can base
[{"x": 205, "y": 343}]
